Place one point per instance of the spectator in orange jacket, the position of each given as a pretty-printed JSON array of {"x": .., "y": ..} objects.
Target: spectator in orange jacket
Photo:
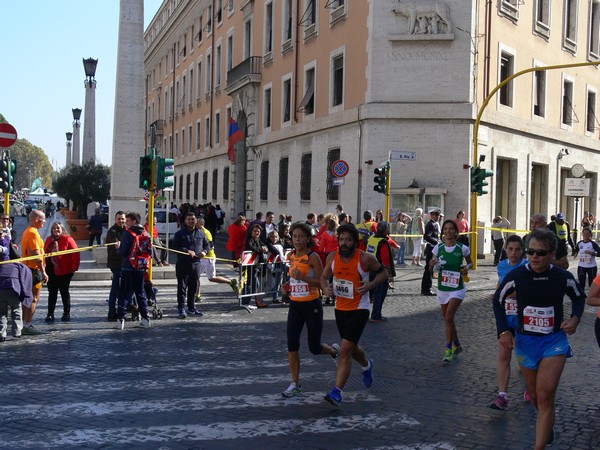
[{"x": 236, "y": 243}]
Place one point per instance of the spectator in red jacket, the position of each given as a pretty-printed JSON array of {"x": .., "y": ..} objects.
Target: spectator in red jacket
[
  {"x": 237, "y": 238},
  {"x": 60, "y": 270}
]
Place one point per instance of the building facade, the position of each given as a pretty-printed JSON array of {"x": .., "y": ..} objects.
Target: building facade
[{"x": 316, "y": 81}]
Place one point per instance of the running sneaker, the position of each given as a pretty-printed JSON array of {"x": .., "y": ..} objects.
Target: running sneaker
[
  {"x": 368, "y": 375},
  {"x": 198, "y": 297},
  {"x": 292, "y": 390},
  {"x": 182, "y": 314},
  {"x": 120, "y": 324},
  {"x": 334, "y": 397},
  {"x": 30, "y": 331},
  {"x": 145, "y": 323},
  {"x": 448, "y": 355},
  {"x": 195, "y": 312},
  {"x": 234, "y": 286},
  {"x": 526, "y": 396},
  {"x": 457, "y": 349},
  {"x": 500, "y": 403},
  {"x": 336, "y": 347}
]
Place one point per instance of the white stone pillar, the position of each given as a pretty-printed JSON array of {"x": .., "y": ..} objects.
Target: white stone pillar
[
  {"x": 128, "y": 130},
  {"x": 75, "y": 160},
  {"x": 89, "y": 123}
]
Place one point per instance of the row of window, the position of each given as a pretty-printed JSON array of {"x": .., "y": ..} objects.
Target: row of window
[
  {"x": 190, "y": 138},
  {"x": 506, "y": 95},
  {"x": 542, "y": 23},
  {"x": 188, "y": 185},
  {"x": 306, "y": 169}
]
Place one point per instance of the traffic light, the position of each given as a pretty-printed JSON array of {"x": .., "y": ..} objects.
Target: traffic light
[
  {"x": 381, "y": 180},
  {"x": 482, "y": 174},
  {"x": 4, "y": 185},
  {"x": 165, "y": 173},
  {"x": 474, "y": 180},
  {"x": 12, "y": 169},
  {"x": 146, "y": 172}
]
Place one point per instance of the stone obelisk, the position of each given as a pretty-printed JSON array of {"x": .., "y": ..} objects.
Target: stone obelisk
[{"x": 128, "y": 130}]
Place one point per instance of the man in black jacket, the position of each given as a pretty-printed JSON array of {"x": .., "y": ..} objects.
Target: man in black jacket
[
  {"x": 114, "y": 262},
  {"x": 194, "y": 244},
  {"x": 431, "y": 235}
]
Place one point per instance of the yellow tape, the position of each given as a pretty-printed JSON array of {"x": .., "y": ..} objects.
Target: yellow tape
[
  {"x": 504, "y": 230},
  {"x": 185, "y": 253},
  {"x": 59, "y": 253}
]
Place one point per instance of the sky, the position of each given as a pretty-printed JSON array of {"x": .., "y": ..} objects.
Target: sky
[{"x": 41, "y": 71}]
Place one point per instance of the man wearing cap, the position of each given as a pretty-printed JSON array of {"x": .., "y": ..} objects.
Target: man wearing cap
[
  {"x": 562, "y": 230},
  {"x": 431, "y": 235}
]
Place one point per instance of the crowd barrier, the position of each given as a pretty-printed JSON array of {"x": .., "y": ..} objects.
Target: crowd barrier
[{"x": 258, "y": 279}]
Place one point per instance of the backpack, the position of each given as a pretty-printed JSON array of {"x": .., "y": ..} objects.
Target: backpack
[{"x": 140, "y": 254}]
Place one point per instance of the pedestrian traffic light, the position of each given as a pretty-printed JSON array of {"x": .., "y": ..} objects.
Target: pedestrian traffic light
[
  {"x": 4, "y": 185},
  {"x": 482, "y": 174},
  {"x": 474, "y": 180},
  {"x": 146, "y": 172},
  {"x": 12, "y": 169},
  {"x": 165, "y": 174},
  {"x": 381, "y": 180}
]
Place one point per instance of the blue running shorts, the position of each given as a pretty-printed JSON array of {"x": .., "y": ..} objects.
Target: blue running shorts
[{"x": 530, "y": 350}]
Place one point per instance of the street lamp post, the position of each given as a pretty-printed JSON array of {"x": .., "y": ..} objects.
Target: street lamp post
[
  {"x": 89, "y": 125},
  {"x": 76, "y": 126},
  {"x": 69, "y": 152}
]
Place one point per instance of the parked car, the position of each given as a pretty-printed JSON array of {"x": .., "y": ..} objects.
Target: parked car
[{"x": 161, "y": 223}]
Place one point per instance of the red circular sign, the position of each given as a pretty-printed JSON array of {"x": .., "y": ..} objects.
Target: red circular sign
[
  {"x": 8, "y": 135},
  {"x": 340, "y": 168}
]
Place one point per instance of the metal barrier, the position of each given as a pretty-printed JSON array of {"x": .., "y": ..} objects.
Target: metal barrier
[{"x": 258, "y": 279}]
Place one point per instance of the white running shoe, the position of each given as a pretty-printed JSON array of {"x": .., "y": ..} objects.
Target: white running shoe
[
  {"x": 292, "y": 390},
  {"x": 120, "y": 324}
]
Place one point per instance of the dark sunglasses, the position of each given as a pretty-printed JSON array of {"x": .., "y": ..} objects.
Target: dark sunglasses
[{"x": 533, "y": 251}]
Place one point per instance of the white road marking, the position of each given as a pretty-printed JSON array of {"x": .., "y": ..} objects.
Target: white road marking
[{"x": 218, "y": 431}]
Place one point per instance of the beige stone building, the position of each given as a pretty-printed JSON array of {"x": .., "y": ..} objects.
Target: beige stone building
[{"x": 316, "y": 81}]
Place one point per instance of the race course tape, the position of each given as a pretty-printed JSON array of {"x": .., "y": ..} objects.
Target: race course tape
[{"x": 50, "y": 255}]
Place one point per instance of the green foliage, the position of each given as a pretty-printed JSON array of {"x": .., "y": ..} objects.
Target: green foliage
[{"x": 83, "y": 184}]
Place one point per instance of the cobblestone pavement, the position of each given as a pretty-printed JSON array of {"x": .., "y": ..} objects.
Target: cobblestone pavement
[{"x": 215, "y": 382}]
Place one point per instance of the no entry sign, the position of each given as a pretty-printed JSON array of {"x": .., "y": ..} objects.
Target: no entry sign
[{"x": 8, "y": 135}]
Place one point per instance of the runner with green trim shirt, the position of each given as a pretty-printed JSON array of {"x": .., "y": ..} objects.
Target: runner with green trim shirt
[{"x": 448, "y": 261}]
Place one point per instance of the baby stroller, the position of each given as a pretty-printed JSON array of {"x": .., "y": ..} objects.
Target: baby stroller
[{"x": 153, "y": 308}]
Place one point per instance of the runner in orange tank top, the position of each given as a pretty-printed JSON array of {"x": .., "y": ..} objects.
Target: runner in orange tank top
[
  {"x": 350, "y": 268},
  {"x": 305, "y": 304}
]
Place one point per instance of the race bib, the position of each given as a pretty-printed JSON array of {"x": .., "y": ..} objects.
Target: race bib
[
  {"x": 450, "y": 278},
  {"x": 510, "y": 306},
  {"x": 538, "y": 319},
  {"x": 585, "y": 258},
  {"x": 343, "y": 288},
  {"x": 299, "y": 288}
]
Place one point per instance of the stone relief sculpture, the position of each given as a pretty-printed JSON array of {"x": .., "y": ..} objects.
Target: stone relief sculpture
[{"x": 424, "y": 16}]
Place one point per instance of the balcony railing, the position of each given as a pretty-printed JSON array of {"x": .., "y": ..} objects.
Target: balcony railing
[{"x": 249, "y": 68}]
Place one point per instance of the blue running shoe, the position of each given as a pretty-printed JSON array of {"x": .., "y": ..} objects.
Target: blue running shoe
[
  {"x": 194, "y": 312},
  {"x": 368, "y": 375},
  {"x": 334, "y": 397}
]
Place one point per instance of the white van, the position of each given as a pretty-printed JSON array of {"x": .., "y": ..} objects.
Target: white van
[{"x": 161, "y": 224}]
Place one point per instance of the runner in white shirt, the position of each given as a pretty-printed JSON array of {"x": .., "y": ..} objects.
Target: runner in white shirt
[{"x": 587, "y": 250}]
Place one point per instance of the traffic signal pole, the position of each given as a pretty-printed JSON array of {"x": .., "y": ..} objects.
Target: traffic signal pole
[
  {"x": 388, "y": 190},
  {"x": 151, "y": 207},
  {"x": 475, "y": 163}
]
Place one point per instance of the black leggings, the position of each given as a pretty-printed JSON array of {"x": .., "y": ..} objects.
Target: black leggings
[
  {"x": 58, "y": 283},
  {"x": 311, "y": 314},
  {"x": 590, "y": 272}
]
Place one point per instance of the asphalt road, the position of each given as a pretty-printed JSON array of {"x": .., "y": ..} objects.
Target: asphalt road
[{"x": 215, "y": 382}]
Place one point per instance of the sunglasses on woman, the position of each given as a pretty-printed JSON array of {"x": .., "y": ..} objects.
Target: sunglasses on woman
[{"x": 533, "y": 251}]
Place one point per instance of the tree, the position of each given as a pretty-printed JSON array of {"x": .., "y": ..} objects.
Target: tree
[
  {"x": 32, "y": 163},
  {"x": 83, "y": 184}
]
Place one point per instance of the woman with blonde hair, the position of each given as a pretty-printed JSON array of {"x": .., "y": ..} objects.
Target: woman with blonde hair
[
  {"x": 417, "y": 241},
  {"x": 60, "y": 270}
]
